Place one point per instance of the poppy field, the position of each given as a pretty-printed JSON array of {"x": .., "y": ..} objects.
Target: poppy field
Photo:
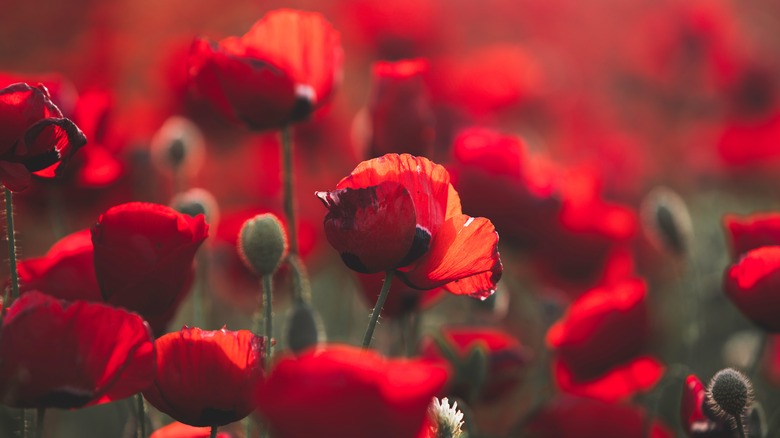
[{"x": 406, "y": 219}]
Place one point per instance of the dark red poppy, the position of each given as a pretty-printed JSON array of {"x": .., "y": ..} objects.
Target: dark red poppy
[
  {"x": 400, "y": 115},
  {"x": 400, "y": 212},
  {"x": 403, "y": 301},
  {"x": 286, "y": 66},
  {"x": 574, "y": 417},
  {"x": 750, "y": 232},
  {"x": 599, "y": 343},
  {"x": 143, "y": 258},
  {"x": 753, "y": 285},
  {"x": 588, "y": 232},
  {"x": 33, "y": 135},
  {"x": 207, "y": 378},
  {"x": 56, "y": 354},
  {"x": 695, "y": 415},
  {"x": 67, "y": 271},
  {"x": 181, "y": 430},
  {"x": 345, "y": 391},
  {"x": 497, "y": 177},
  {"x": 479, "y": 376}
]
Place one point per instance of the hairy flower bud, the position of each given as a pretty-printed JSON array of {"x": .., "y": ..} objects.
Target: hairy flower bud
[
  {"x": 729, "y": 393},
  {"x": 262, "y": 243}
]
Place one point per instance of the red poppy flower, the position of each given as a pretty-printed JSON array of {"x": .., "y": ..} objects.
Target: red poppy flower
[
  {"x": 501, "y": 355},
  {"x": 753, "y": 285},
  {"x": 599, "y": 342},
  {"x": 206, "y": 378},
  {"x": 400, "y": 114},
  {"x": 695, "y": 420},
  {"x": 33, "y": 135},
  {"x": 403, "y": 300},
  {"x": 497, "y": 177},
  {"x": 181, "y": 430},
  {"x": 570, "y": 417},
  {"x": 67, "y": 271},
  {"x": 143, "y": 258},
  {"x": 400, "y": 212},
  {"x": 55, "y": 354},
  {"x": 347, "y": 391},
  {"x": 752, "y": 231},
  {"x": 286, "y": 66}
]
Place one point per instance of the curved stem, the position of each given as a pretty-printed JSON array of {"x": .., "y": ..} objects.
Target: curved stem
[
  {"x": 288, "y": 183},
  {"x": 267, "y": 298},
  {"x": 378, "y": 309},
  {"x": 9, "y": 219}
]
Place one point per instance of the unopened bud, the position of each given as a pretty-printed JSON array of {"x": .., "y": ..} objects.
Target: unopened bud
[
  {"x": 262, "y": 243},
  {"x": 178, "y": 146},
  {"x": 197, "y": 201},
  {"x": 666, "y": 220},
  {"x": 729, "y": 393},
  {"x": 304, "y": 327}
]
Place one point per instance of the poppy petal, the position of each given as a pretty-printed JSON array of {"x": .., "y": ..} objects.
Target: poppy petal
[
  {"x": 457, "y": 261},
  {"x": 359, "y": 220},
  {"x": 619, "y": 383}
]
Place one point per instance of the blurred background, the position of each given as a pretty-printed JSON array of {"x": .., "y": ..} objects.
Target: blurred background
[{"x": 605, "y": 100}]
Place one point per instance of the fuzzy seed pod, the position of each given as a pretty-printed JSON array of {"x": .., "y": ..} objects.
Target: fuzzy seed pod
[
  {"x": 197, "y": 201},
  {"x": 262, "y": 243},
  {"x": 729, "y": 393}
]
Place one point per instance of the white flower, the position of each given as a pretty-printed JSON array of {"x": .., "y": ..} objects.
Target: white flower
[{"x": 446, "y": 420}]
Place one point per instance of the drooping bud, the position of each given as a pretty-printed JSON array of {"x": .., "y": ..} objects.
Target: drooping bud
[
  {"x": 729, "y": 393},
  {"x": 197, "y": 201},
  {"x": 262, "y": 243},
  {"x": 304, "y": 328},
  {"x": 666, "y": 220},
  {"x": 178, "y": 146}
]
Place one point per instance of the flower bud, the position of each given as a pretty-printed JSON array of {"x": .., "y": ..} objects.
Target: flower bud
[
  {"x": 666, "y": 220},
  {"x": 729, "y": 393},
  {"x": 178, "y": 146},
  {"x": 197, "y": 201},
  {"x": 262, "y": 243},
  {"x": 303, "y": 327}
]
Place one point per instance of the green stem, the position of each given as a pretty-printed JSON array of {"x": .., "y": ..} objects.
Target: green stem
[
  {"x": 140, "y": 430},
  {"x": 213, "y": 431},
  {"x": 39, "y": 422},
  {"x": 199, "y": 295},
  {"x": 378, "y": 308},
  {"x": 740, "y": 428},
  {"x": 301, "y": 285},
  {"x": 288, "y": 183},
  {"x": 9, "y": 218},
  {"x": 267, "y": 298}
]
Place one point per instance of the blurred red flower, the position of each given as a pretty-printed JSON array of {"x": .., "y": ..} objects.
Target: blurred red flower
[
  {"x": 34, "y": 135},
  {"x": 400, "y": 113},
  {"x": 181, "y": 430},
  {"x": 400, "y": 212},
  {"x": 570, "y": 417},
  {"x": 479, "y": 376},
  {"x": 745, "y": 233},
  {"x": 207, "y": 378},
  {"x": 599, "y": 343},
  {"x": 753, "y": 285},
  {"x": 346, "y": 391},
  {"x": 67, "y": 271},
  {"x": 287, "y": 65},
  {"x": 56, "y": 354},
  {"x": 143, "y": 258},
  {"x": 696, "y": 421},
  {"x": 497, "y": 177}
]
